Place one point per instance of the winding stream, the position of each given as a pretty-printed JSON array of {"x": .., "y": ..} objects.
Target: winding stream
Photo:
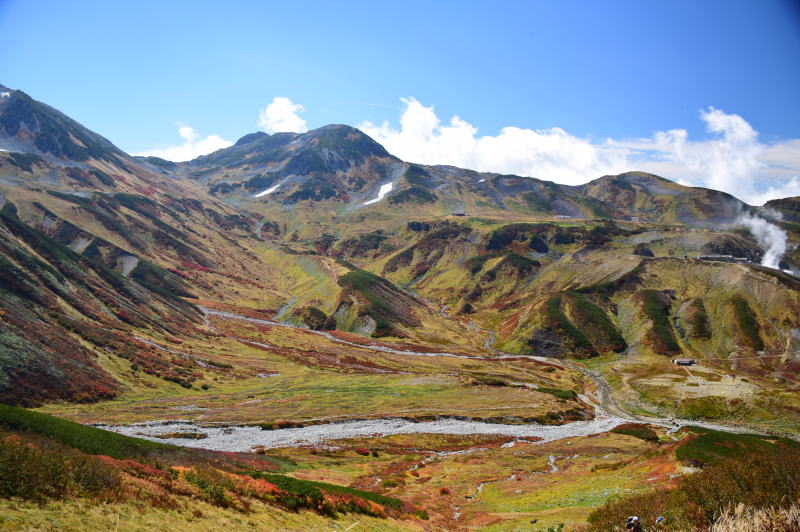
[
  {"x": 608, "y": 414},
  {"x": 244, "y": 438}
]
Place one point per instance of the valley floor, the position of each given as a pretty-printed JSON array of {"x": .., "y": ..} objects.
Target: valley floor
[{"x": 467, "y": 474}]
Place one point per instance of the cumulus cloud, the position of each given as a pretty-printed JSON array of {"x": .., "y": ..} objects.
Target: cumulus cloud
[
  {"x": 281, "y": 116},
  {"x": 729, "y": 161},
  {"x": 551, "y": 154},
  {"x": 192, "y": 146},
  {"x": 732, "y": 159}
]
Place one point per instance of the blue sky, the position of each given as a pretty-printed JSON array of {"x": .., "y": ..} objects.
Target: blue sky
[{"x": 625, "y": 70}]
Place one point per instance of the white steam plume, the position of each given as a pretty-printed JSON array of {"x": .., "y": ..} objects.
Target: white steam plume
[{"x": 770, "y": 237}]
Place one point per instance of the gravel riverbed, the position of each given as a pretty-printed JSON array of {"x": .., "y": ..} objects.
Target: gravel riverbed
[{"x": 244, "y": 438}]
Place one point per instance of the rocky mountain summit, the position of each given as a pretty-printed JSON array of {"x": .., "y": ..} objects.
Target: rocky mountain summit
[{"x": 575, "y": 341}]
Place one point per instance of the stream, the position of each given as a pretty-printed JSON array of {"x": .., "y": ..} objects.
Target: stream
[
  {"x": 244, "y": 438},
  {"x": 608, "y": 414}
]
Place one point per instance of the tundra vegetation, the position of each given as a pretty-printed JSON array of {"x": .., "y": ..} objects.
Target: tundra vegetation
[{"x": 136, "y": 289}]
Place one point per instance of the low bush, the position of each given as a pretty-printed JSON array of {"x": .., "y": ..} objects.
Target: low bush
[
  {"x": 559, "y": 322},
  {"x": 561, "y": 394},
  {"x": 766, "y": 477},
  {"x": 637, "y": 430},
  {"x": 419, "y": 226},
  {"x": 475, "y": 264},
  {"x": 413, "y": 194},
  {"x": 698, "y": 319},
  {"x": 87, "y": 439},
  {"x": 522, "y": 264},
  {"x": 711, "y": 446},
  {"x": 213, "y": 484},
  {"x": 592, "y": 318},
  {"x": 489, "y": 380},
  {"x": 746, "y": 323},
  {"x": 309, "y": 494},
  {"x": 38, "y": 473},
  {"x": 25, "y": 161},
  {"x": 656, "y": 308}
]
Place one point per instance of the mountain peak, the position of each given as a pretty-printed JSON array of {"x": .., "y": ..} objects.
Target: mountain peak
[
  {"x": 250, "y": 137},
  {"x": 27, "y": 125},
  {"x": 348, "y": 141}
]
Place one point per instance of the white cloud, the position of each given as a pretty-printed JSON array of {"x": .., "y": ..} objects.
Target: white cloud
[
  {"x": 281, "y": 116},
  {"x": 551, "y": 154},
  {"x": 192, "y": 146},
  {"x": 732, "y": 159},
  {"x": 729, "y": 162}
]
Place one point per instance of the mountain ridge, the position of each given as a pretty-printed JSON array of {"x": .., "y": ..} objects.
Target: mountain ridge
[
  {"x": 30, "y": 126},
  {"x": 274, "y": 224},
  {"x": 300, "y": 280}
]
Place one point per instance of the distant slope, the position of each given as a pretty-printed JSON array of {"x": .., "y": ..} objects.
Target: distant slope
[
  {"x": 344, "y": 169},
  {"x": 656, "y": 199}
]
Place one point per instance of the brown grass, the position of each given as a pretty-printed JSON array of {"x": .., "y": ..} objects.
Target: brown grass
[{"x": 744, "y": 519}]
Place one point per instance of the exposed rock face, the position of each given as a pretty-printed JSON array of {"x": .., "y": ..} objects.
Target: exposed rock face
[
  {"x": 789, "y": 208},
  {"x": 334, "y": 162},
  {"x": 643, "y": 250},
  {"x": 546, "y": 342},
  {"x": 315, "y": 319},
  {"x": 734, "y": 245},
  {"x": 31, "y": 126}
]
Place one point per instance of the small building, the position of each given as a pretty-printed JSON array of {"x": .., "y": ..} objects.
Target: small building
[
  {"x": 724, "y": 258},
  {"x": 683, "y": 361}
]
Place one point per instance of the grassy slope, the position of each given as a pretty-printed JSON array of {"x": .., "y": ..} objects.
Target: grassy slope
[
  {"x": 179, "y": 490},
  {"x": 303, "y": 389},
  {"x": 80, "y": 516},
  {"x": 84, "y": 438},
  {"x": 605, "y": 465}
]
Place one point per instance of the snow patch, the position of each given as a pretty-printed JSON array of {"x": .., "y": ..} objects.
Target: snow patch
[
  {"x": 385, "y": 189},
  {"x": 268, "y": 191},
  {"x": 129, "y": 262},
  {"x": 481, "y": 180},
  {"x": 80, "y": 245}
]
